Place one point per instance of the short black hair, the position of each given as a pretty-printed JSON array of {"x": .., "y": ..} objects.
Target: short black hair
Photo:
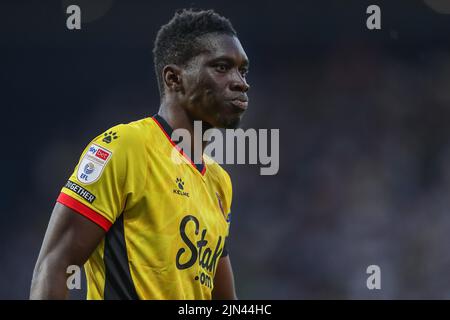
[{"x": 176, "y": 41}]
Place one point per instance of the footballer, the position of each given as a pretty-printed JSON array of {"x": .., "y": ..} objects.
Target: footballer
[{"x": 143, "y": 225}]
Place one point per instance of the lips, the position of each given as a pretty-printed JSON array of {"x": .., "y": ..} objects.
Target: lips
[{"x": 239, "y": 103}]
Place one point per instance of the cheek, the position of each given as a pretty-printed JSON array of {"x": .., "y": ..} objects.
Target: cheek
[
  {"x": 208, "y": 91},
  {"x": 215, "y": 87}
]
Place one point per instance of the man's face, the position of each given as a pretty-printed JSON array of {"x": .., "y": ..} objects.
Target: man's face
[{"x": 214, "y": 82}]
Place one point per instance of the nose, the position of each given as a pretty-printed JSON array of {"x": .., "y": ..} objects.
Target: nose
[{"x": 239, "y": 83}]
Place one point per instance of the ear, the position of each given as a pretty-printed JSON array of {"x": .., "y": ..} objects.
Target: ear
[{"x": 172, "y": 78}]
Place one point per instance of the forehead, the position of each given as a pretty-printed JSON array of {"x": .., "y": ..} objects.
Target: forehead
[{"x": 222, "y": 45}]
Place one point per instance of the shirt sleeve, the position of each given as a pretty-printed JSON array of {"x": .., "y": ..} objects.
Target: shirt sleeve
[{"x": 97, "y": 187}]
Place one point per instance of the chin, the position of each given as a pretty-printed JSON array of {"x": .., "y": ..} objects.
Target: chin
[{"x": 230, "y": 122}]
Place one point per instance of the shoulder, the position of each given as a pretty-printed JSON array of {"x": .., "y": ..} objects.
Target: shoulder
[{"x": 123, "y": 137}]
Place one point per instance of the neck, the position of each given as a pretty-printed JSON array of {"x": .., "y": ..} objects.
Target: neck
[{"x": 178, "y": 118}]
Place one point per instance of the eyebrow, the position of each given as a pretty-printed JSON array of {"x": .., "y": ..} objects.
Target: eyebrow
[{"x": 230, "y": 60}]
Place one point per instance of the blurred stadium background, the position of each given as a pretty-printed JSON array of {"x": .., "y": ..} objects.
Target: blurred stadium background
[{"x": 364, "y": 126}]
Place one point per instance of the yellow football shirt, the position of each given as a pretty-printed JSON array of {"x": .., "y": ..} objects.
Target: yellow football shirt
[{"x": 166, "y": 220}]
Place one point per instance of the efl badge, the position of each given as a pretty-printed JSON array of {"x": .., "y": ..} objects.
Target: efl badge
[{"x": 92, "y": 164}]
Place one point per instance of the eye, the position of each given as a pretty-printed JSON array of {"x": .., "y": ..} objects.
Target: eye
[
  {"x": 244, "y": 72},
  {"x": 222, "y": 67}
]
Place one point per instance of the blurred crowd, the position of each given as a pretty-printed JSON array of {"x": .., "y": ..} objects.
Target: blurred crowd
[{"x": 364, "y": 180}]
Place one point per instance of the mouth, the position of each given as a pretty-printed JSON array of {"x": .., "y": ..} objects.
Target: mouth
[{"x": 240, "y": 104}]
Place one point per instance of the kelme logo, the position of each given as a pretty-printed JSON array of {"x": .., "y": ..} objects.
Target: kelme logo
[{"x": 180, "y": 188}]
